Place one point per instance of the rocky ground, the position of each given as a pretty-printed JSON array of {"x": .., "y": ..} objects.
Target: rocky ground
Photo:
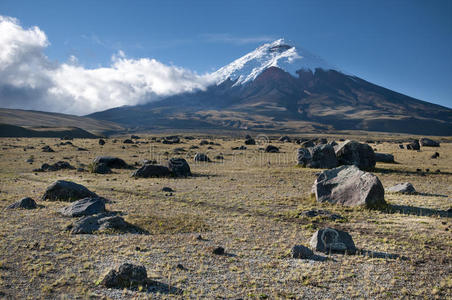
[{"x": 252, "y": 203}]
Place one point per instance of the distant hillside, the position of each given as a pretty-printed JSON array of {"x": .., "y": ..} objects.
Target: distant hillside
[
  {"x": 36, "y": 119},
  {"x": 7, "y": 130}
]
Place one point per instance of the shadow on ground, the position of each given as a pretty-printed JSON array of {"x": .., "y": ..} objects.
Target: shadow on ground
[{"x": 418, "y": 211}]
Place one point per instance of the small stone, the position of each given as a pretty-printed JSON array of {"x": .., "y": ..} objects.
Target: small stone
[
  {"x": 330, "y": 240},
  {"x": 218, "y": 251},
  {"x": 403, "y": 188},
  {"x": 24, "y": 203},
  {"x": 299, "y": 251},
  {"x": 127, "y": 276}
]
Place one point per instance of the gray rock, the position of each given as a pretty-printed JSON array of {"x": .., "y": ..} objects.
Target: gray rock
[
  {"x": 354, "y": 153},
  {"x": 321, "y": 156},
  {"x": 101, "y": 142},
  {"x": 403, "y": 188},
  {"x": 322, "y": 141},
  {"x": 101, "y": 168},
  {"x": 60, "y": 165},
  {"x": 167, "y": 189},
  {"x": 47, "y": 149},
  {"x": 127, "y": 276},
  {"x": 271, "y": 149},
  {"x": 62, "y": 190},
  {"x": 179, "y": 167},
  {"x": 250, "y": 141},
  {"x": 307, "y": 144},
  {"x": 285, "y": 139},
  {"x": 127, "y": 141},
  {"x": 323, "y": 213},
  {"x": 384, "y": 157},
  {"x": 435, "y": 155},
  {"x": 300, "y": 251},
  {"x": 201, "y": 157},
  {"x": 84, "y": 207},
  {"x": 414, "y": 145},
  {"x": 99, "y": 223},
  {"x": 147, "y": 171},
  {"x": 24, "y": 203},
  {"x": 426, "y": 142},
  {"x": 111, "y": 162},
  {"x": 349, "y": 186},
  {"x": 330, "y": 240}
]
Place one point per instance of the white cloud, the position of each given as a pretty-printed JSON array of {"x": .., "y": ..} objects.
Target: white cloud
[{"x": 28, "y": 79}]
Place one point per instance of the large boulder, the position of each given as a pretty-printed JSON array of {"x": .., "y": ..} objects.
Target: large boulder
[
  {"x": 354, "y": 153},
  {"x": 100, "y": 223},
  {"x": 321, "y": 156},
  {"x": 111, "y": 162},
  {"x": 127, "y": 276},
  {"x": 24, "y": 203},
  {"x": 250, "y": 141},
  {"x": 349, "y": 186},
  {"x": 149, "y": 170},
  {"x": 403, "y": 188},
  {"x": 179, "y": 167},
  {"x": 201, "y": 157},
  {"x": 426, "y": 142},
  {"x": 384, "y": 158},
  {"x": 84, "y": 207},
  {"x": 413, "y": 145},
  {"x": 307, "y": 144},
  {"x": 330, "y": 240},
  {"x": 271, "y": 149},
  {"x": 62, "y": 190},
  {"x": 101, "y": 168}
]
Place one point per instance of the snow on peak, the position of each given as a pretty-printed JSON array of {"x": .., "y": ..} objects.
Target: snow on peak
[{"x": 276, "y": 54}]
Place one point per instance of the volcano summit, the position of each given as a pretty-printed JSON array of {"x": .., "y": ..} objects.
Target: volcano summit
[{"x": 281, "y": 87}]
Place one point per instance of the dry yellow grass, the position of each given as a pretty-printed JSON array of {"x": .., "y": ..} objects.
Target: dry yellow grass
[{"x": 249, "y": 204}]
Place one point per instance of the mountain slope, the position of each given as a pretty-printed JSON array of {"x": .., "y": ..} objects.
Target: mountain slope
[
  {"x": 30, "y": 118},
  {"x": 262, "y": 91}
]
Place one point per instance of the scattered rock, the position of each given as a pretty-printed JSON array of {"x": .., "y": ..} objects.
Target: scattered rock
[
  {"x": 321, "y": 156},
  {"x": 147, "y": 171},
  {"x": 127, "y": 141},
  {"x": 84, "y": 207},
  {"x": 271, "y": 149},
  {"x": 218, "y": 251},
  {"x": 201, "y": 157},
  {"x": 194, "y": 147},
  {"x": 349, "y": 186},
  {"x": 167, "y": 189},
  {"x": 384, "y": 158},
  {"x": 219, "y": 157},
  {"x": 203, "y": 142},
  {"x": 307, "y": 144},
  {"x": 62, "y": 190},
  {"x": 250, "y": 141},
  {"x": 239, "y": 148},
  {"x": 414, "y": 145},
  {"x": 299, "y": 251},
  {"x": 100, "y": 223},
  {"x": 285, "y": 139},
  {"x": 322, "y": 141},
  {"x": 111, "y": 162},
  {"x": 426, "y": 142},
  {"x": 354, "y": 153},
  {"x": 435, "y": 155},
  {"x": 24, "y": 203},
  {"x": 320, "y": 212},
  {"x": 401, "y": 146},
  {"x": 171, "y": 140},
  {"x": 101, "y": 168},
  {"x": 47, "y": 149},
  {"x": 81, "y": 149},
  {"x": 101, "y": 142},
  {"x": 403, "y": 188},
  {"x": 127, "y": 276},
  {"x": 329, "y": 240},
  {"x": 135, "y": 137},
  {"x": 179, "y": 167},
  {"x": 55, "y": 167}
]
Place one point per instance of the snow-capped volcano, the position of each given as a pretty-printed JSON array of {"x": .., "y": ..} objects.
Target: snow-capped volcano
[{"x": 279, "y": 54}]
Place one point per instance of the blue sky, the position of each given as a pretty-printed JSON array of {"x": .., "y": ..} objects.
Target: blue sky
[{"x": 402, "y": 45}]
